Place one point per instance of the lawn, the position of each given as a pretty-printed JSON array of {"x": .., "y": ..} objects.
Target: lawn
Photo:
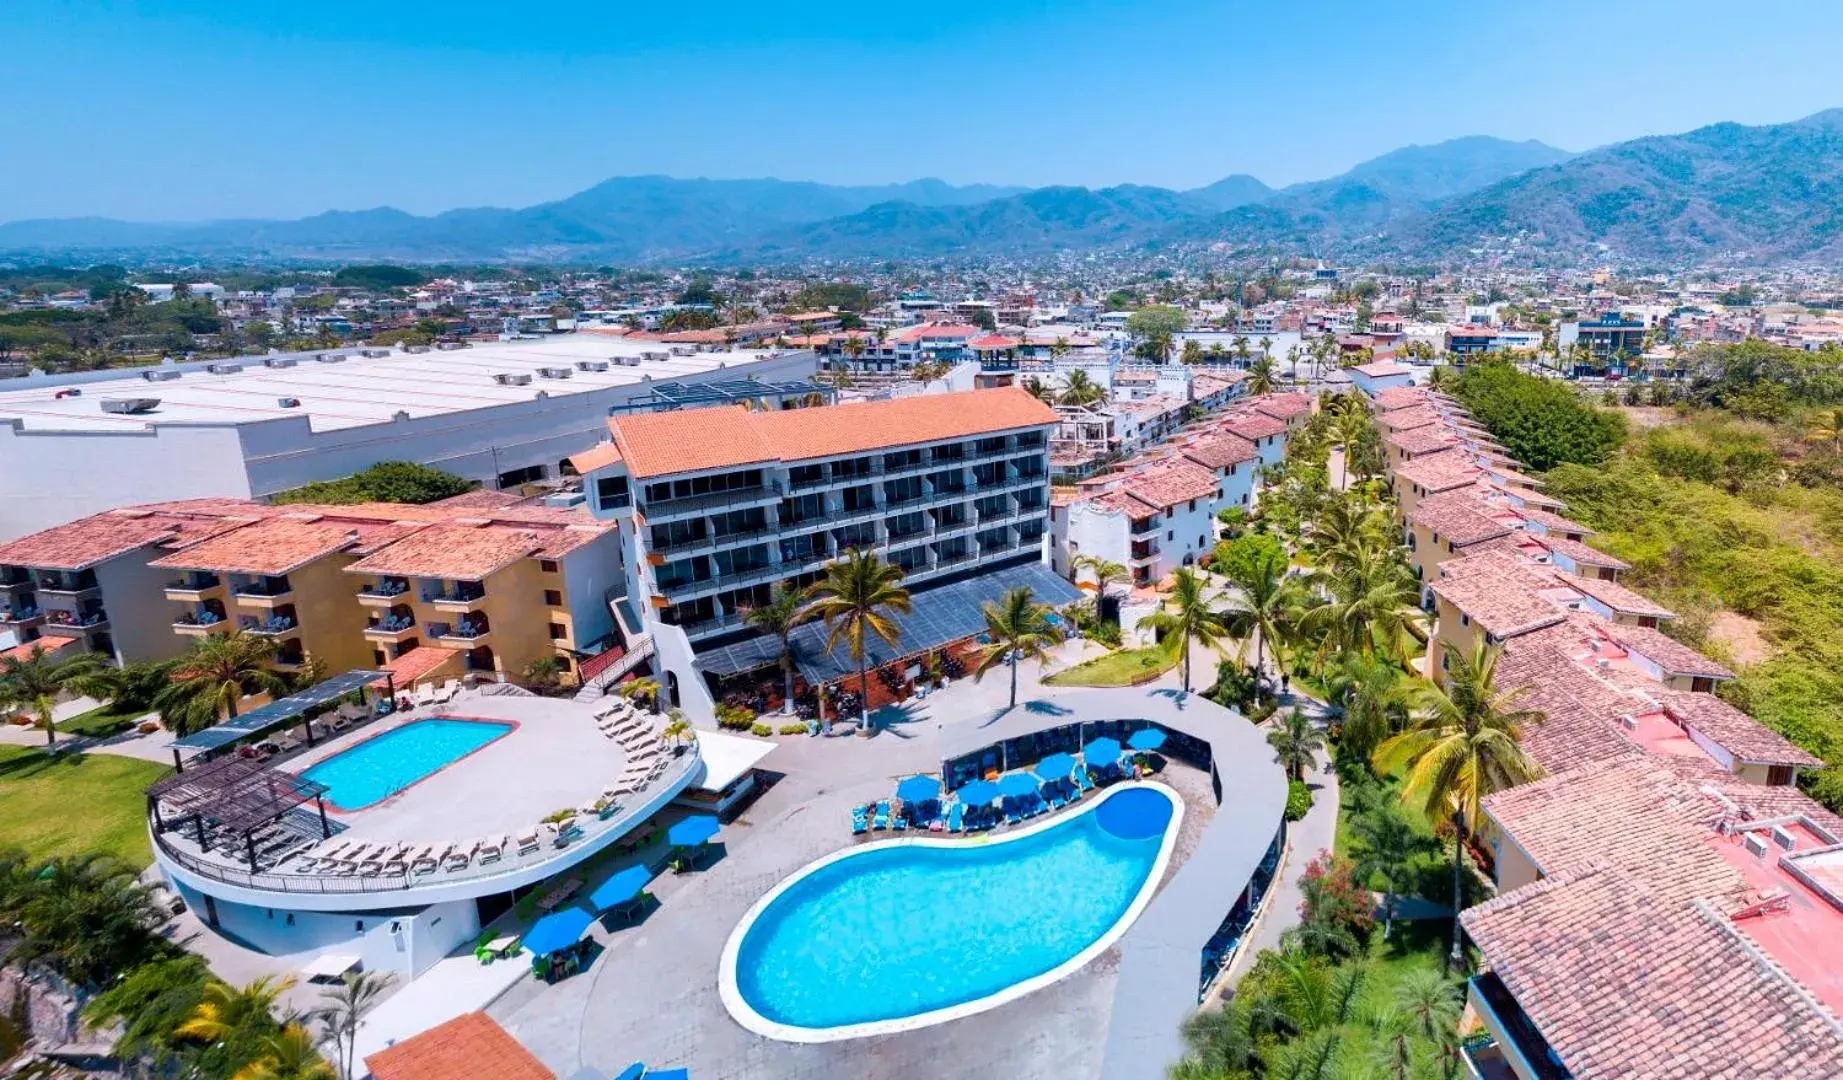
[
  {"x": 72, "y": 803},
  {"x": 1122, "y": 667},
  {"x": 101, "y": 722}
]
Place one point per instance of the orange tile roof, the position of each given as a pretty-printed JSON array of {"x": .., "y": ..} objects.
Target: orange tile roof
[
  {"x": 84, "y": 543},
  {"x": 418, "y": 663},
  {"x": 273, "y": 546},
  {"x": 1459, "y": 517},
  {"x": 1401, "y": 397},
  {"x": 1284, "y": 406},
  {"x": 47, "y": 644},
  {"x": 599, "y": 456},
  {"x": 1735, "y": 731},
  {"x": 659, "y": 444},
  {"x": 1221, "y": 451},
  {"x": 462, "y": 552},
  {"x": 1619, "y": 598},
  {"x": 1252, "y": 426},
  {"x": 1422, "y": 441},
  {"x": 1439, "y": 472},
  {"x": 469, "y": 1047},
  {"x": 1671, "y": 655},
  {"x": 1407, "y": 419},
  {"x": 1500, "y": 603},
  {"x": 1171, "y": 483}
]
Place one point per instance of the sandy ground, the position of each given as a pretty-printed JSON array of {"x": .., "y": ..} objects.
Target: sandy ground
[{"x": 1741, "y": 637}]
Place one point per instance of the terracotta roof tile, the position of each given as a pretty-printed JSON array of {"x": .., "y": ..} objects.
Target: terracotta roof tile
[
  {"x": 86, "y": 542},
  {"x": 1582, "y": 554},
  {"x": 1502, "y": 604},
  {"x": 1673, "y": 656},
  {"x": 1284, "y": 406},
  {"x": 1440, "y": 472},
  {"x": 1401, "y": 397},
  {"x": 469, "y": 1047},
  {"x": 1422, "y": 441},
  {"x": 461, "y": 552},
  {"x": 1171, "y": 483},
  {"x": 1736, "y": 732},
  {"x": 272, "y": 547},
  {"x": 1252, "y": 426},
  {"x": 1221, "y": 450},
  {"x": 1458, "y": 517},
  {"x": 1619, "y": 598},
  {"x": 1408, "y": 419}
]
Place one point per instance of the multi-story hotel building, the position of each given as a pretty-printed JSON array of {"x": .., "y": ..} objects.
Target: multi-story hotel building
[{"x": 717, "y": 507}]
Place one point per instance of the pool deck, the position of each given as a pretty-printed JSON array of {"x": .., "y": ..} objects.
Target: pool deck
[
  {"x": 554, "y": 758},
  {"x": 652, "y": 995}
]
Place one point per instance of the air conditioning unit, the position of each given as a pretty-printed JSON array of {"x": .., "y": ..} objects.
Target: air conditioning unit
[
  {"x": 655, "y": 354},
  {"x": 130, "y": 406},
  {"x": 416, "y": 348},
  {"x": 223, "y": 369},
  {"x": 684, "y": 350},
  {"x": 280, "y": 362},
  {"x": 374, "y": 354},
  {"x": 450, "y": 346},
  {"x": 506, "y": 378},
  {"x": 556, "y": 372},
  {"x": 564, "y": 500},
  {"x": 629, "y": 361},
  {"x": 288, "y": 402},
  {"x": 333, "y": 358},
  {"x": 1755, "y": 845},
  {"x": 591, "y": 365},
  {"x": 160, "y": 374},
  {"x": 1784, "y": 838},
  {"x": 1629, "y": 722}
]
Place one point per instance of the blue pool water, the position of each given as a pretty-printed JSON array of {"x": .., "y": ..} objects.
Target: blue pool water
[
  {"x": 383, "y": 765},
  {"x": 895, "y": 931}
]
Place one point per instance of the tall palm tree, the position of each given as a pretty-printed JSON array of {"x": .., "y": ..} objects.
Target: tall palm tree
[
  {"x": 289, "y": 1054},
  {"x": 1429, "y": 1002},
  {"x": 1079, "y": 388},
  {"x": 36, "y": 682},
  {"x": 1187, "y": 617},
  {"x": 780, "y": 616},
  {"x": 1460, "y": 748},
  {"x": 1019, "y": 627},
  {"x": 213, "y": 675},
  {"x": 1825, "y": 426},
  {"x": 1295, "y": 739},
  {"x": 1260, "y": 611},
  {"x": 856, "y": 600},
  {"x": 1371, "y": 695},
  {"x": 1350, "y": 426},
  {"x": 343, "y": 1006},
  {"x": 1371, "y": 603},
  {"x": 1106, "y": 572},
  {"x": 1040, "y": 390},
  {"x": 227, "y": 1011},
  {"x": 1261, "y": 375}
]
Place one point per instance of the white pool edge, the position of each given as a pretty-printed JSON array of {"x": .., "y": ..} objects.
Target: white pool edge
[{"x": 743, "y": 1013}]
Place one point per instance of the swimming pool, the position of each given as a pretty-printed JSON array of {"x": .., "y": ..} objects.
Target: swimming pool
[
  {"x": 386, "y": 764},
  {"x": 911, "y": 932}
]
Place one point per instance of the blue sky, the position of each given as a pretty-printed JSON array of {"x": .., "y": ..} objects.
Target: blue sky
[{"x": 190, "y": 109}]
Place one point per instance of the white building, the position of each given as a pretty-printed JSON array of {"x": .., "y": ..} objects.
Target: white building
[{"x": 1151, "y": 520}]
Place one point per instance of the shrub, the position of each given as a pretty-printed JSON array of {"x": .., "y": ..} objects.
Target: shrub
[
  {"x": 734, "y": 717},
  {"x": 1298, "y": 800},
  {"x": 1106, "y": 633},
  {"x": 793, "y": 729},
  {"x": 761, "y": 729},
  {"x": 387, "y": 481}
]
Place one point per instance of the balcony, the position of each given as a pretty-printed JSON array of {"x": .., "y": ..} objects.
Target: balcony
[
  {"x": 464, "y": 595},
  {"x": 75, "y": 623},
  {"x": 262, "y": 592},
  {"x": 466, "y": 633},
  {"x": 1519, "y": 1044},
  {"x": 274, "y": 626},
  {"x": 383, "y": 592},
  {"x": 14, "y": 580},
  {"x": 195, "y": 587},
  {"x": 392, "y": 627},
  {"x": 734, "y": 499},
  {"x": 79, "y": 586},
  {"x": 290, "y": 657},
  {"x": 21, "y": 616},
  {"x": 200, "y": 623}
]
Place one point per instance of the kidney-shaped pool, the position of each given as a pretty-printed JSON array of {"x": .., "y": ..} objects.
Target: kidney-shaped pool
[{"x": 905, "y": 933}]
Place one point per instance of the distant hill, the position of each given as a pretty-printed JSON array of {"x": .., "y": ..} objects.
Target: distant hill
[{"x": 1231, "y": 192}]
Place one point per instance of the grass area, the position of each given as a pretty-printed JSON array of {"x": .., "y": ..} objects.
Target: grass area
[
  {"x": 1122, "y": 667},
  {"x": 69, "y": 803},
  {"x": 102, "y": 721}
]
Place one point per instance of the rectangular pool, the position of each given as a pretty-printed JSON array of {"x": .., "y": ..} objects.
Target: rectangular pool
[{"x": 387, "y": 764}]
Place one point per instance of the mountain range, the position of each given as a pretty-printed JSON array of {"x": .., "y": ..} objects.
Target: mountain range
[{"x": 1731, "y": 192}]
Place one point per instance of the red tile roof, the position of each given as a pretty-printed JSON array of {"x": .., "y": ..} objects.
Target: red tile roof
[
  {"x": 1619, "y": 598},
  {"x": 1166, "y": 485},
  {"x": 1673, "y": 656},
  {"x": 1252, "y": 426},
  {"x": 461, "y": 552},
  {"x": 660, "y": 444},
  {"x": 1419, "y": 442},
  {"x": 1733, "y": 730},
  {"x": 1501, "y": 604},
  {"x": 270, "y": 547},
  {"x": 1408, "y": 419},
  {"x": 1440, "y": 472},
  {"x": 86, "y": 542},
  {"x": 1221, "y": 450},
  {"x": 1580, "y": 553},
  {"x": 1458, "y": 517},
  {"x": 1284, "y": 406},
  {"x": 599, "y": 456},
  {"x": 1401, "y": 397},
  {"x": 1381, "y": 369},
  {"x": 469, "y": 1047}
]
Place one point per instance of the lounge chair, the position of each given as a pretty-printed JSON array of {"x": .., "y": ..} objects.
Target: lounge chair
[
  {"x": 882, "y": 820},
  {"x": 425, "y": 695},
  {"x": 956, "y": 818},
  {"x": 1056, "y": 801},
  {"x": 528, "y": 841},
  {"x": 1083, "y": 781},
  {"x": 287, "y": 744},
  {"x": 428, "y": 860},
  {"x": 491, "y": 850},
  {"x": 457, "y": 857},
  {"x": 900, "y": 820},
  {"x": 397, "y": 860},
  {"x": 1011, "y": 811},
  {"x": 860, "y": 821},
  {"x": 449, "y": 690}
]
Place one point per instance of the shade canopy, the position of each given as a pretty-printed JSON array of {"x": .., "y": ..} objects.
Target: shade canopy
[
  {"x": 694, "y": 830},
  {"x": 1101, "y": 752},
  {"x": 918, "y": 789},
  {"x": 276, "y": 713},
  {"x": 1056, "y": 766},
  {"x": 558, "y": 930},
  {"x": 979, "y": 793},
  {"x": 668, "y": 1074},
  {"x": 1017, "y": 783},
  {"x": 1147, "y": 739},
  {"x": 631, "y": 1072},
  {"x": 621, "y": 886}
]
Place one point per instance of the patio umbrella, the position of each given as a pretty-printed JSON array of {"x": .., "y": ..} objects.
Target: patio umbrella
[
  {"x": 1017, "y": 783},
  {"x": 668, "y": 1074},
  {"x": 694, "y": 830},
  {"x": 917, "y": 789},
  {"x": 631, "y": 1072},
  {"x": 620, "y": 887},
  {"x": 979, "y": 793},
  {"x": 1147, "y": 739},
  {"x": 558, "y": 930},
  {"x": 1101, "y": 752},
  {"x": 1056, "y": 766}
]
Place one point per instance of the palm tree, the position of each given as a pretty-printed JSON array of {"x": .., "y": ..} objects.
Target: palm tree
[
  {"x": 1081, "y": 389},
  {"x": 641, "y": 690},
  {"x": 856, "y": 600},
  {"x": 1187, "y": 616},
  {"x": 1825, "y": 426},
  {"x": 780, "y": 616},
  {"x": 1019, "y": 627},
  {"x": 227, "y": 1012},
  {"x": 1429, "y": 1002},
  {"x": 1460, "y": 748},
  {"x": 1040, "y": 390},
  {"x": 1350, "y": 427},
  {"x": 1261, "y": 375},
  {"x": 341, "y": 1009},
  {"x": 1059, "y": 348},
  {"x": 678, "y": 730},
  {"x": 1371, "y": 694},
  {"x": 1371, "y": 602},
  {"x": 289, "y": 1054},
  {"x": 213, "y": 675},
  {"x": 1260, "y": 611},
  {"x": 1106, "y": 572},
  {"x": 36, "y": 682},
  {"x": 84, "y": 916},
  {"x": 1295, "y": 739}
]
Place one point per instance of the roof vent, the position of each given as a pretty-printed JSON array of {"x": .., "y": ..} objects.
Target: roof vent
[
  {"x": 223, "y": 368},
  {"x": 507, "y": 378},
  {"x": 374, "y": 354},
  {"x": 591, "y": 365},
  {"x": 1784, "y": 838},
  {"x": 280, "y": 362},
  {"x": 1629, "y": 722},
  {"x": 1755, "y": 845},
  {"x": 133, "y": 406},
  {"x": 556, "y": 372},
  {"x": 288, "y": 402},
  {"x": 160, "y": 374},
  {"x": 334, "y": 358},
  {"x": 415, "y": 348}
]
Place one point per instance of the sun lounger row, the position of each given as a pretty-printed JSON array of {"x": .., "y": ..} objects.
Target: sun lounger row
[
  {"x": 358, "y": 858},
  {"x": 430, "y": 694}
]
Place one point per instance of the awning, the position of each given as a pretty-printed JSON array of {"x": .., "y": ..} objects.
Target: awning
[
  {"x": 916, "y": 789},
  {"x": 418, "y": 663},
  {"x": 1101, "y": 752},
  {"x": 1057, "y": 766},
  {"x": 277, "y": 712},
  {"x": 940, "y": 616},
  {"x": 727, "y": 757},
  {"x": 328, "y": 966},
  {"x": 1017, "y": 783}
]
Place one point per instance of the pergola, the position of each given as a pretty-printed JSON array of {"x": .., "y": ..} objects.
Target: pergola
[
  {"x": 277, "y": 713},
  {"x": 239, "y": 794}
]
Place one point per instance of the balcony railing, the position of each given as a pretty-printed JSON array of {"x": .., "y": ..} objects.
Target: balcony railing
[
  {"x": 199, "y": 620},
  {"x": 194, "y": 583},
  {"x": 64, "y": 584},
  {"x": 20, "y": 616},
  {"x": 470, "y": 593},
  {"x": 265, "y": 589},
  {"x": 661, "y": 510},
  {"x": 386, "y": 589},
  {"x": 281, "y": 624}
]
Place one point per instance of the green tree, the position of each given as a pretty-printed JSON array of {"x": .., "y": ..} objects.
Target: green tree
[
  {"x": 1080, "y": 389},
  {"x": 1260, "y": 608},
  {"x": 149, "y": 1003},
  {"x": 780, "y": 616},
  {"x": 857, "y": 600},
  {"x": 343, "y": 1006},
  {"x": 1371, "y": 697},
  {"x": 87, "y": 917},
  {"x": 1541, "y": 422},
  {"x": 209, "y": 679},
  {"x": 1262, "y": 376},
  {"x": 289, "y": 1054},
  {"x": 36, "y": 682},
  {"x": 1156, "y": 327},
  {"x": 1295, "y": 740},
  {"x": 1106, "y": 573},
  {"x": 1185, "y": 617},
  {"x": 1019, "y": 627}
]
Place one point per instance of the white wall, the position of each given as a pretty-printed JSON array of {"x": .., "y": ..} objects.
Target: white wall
[
  {"x": 1184, "y": 532},
  {"x": 403, "y": 940},
  {"x": 1097, "y": 532},
  {"x": 140, "y": 616},
  {"x": 50, "y": 478},
  {"x": 589, "y": 573}
]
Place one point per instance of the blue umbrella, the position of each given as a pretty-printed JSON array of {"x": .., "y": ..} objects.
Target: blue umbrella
[
  {"x": 694, "y": 830},
  {"x": 1101, "y": 752},
  {"x": 1017, "y": 783},
  {"x": 668, "y": 1074},
  {"x": 558, "y": 930},
  {"x": 918, "y": 789},
  {"x": 632, "y": 1072},
  {"x": 979, "y": 793},
  {"x": 1147, "y": 739},
  {"x": 1056, "y": 767},
  {"x": 621, "y": 887}
]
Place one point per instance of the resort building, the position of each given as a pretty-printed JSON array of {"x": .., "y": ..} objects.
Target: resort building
[
  {"x": 1151, "y": 520},
  {"x": 718, "y": 507},
  {"x": 501, "y": 413}
]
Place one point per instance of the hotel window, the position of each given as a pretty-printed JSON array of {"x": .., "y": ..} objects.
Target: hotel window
[
  {"x": 557, "y": 633},
  {"x": 549, "y": 566},
  {"x": 611, "y": 492},
  {"x": 553, "y": 598}
]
